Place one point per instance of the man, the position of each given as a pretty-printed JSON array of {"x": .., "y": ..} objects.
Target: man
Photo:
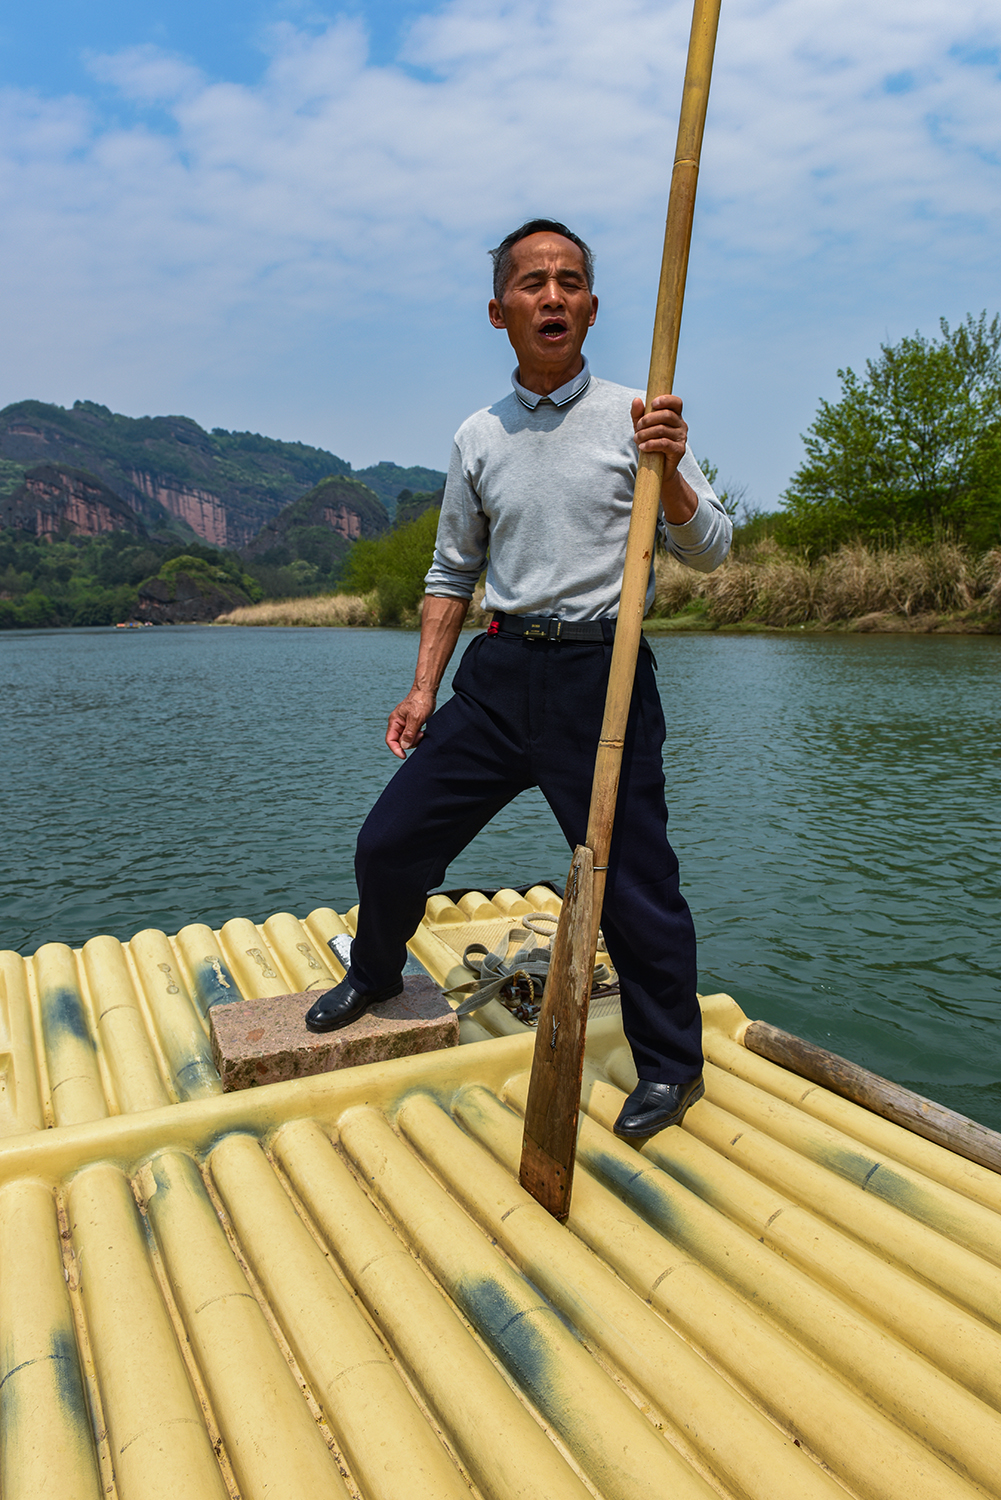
[{"x": 540, "y": 491}]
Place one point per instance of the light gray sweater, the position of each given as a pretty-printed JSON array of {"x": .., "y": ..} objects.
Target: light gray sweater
[{"x": 540, "y": 490}]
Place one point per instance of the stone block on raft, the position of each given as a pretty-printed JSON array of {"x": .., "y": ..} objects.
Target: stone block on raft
[{"x": 265, "y": 1041}]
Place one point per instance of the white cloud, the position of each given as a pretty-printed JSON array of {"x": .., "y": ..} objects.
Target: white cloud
[
  {"x": 306, "y": 255},
  {"x": 146, "y": 75}
]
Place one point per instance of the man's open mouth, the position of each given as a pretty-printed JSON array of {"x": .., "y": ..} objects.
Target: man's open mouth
[{"x": 552, "y": 328}]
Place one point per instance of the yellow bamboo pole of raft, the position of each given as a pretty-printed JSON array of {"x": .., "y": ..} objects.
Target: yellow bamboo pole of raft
[{"x": 550, "y": 1139}]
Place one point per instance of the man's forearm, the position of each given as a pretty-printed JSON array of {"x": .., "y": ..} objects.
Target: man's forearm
[
  {"x": 679, "y": 500},
  {"x": 441, "y": 623}
]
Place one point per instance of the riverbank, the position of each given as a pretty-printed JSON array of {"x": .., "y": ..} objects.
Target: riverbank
[{"x": 941, "y": 589}]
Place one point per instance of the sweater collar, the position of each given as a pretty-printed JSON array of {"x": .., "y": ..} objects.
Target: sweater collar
[{"x": 560, "y": 397}]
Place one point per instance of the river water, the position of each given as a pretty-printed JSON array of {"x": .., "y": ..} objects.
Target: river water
[{"x": 835, "y": 802}]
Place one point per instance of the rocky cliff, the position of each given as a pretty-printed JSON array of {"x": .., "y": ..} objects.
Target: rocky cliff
[
  {"x": 205, "y": 513},
  {"x": 56, "y": 501}
]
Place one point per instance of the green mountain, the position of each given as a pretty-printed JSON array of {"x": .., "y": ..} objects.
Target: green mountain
[
  {"x": 389, "y": 479},
  {"x": 409, "y": 507},
  {"x": 303, "y": 549},
  {"x": 221, "y": 487}
]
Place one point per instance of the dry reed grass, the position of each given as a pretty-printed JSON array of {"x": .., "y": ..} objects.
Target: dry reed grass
[
  {"x": 333, "y": 609},
  {"x": 324, "y": 609},
  {"x": 761, "y": 585},
  {"x": 767, "y": 586}
]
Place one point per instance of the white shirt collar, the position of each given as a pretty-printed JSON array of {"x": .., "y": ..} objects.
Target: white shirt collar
[{"x": 559, "y": 397}]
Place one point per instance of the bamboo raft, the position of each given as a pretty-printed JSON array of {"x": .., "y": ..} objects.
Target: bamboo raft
[{"x": 337, "y": 1287}]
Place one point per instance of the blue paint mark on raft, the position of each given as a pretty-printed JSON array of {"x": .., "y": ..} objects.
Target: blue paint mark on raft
[
  {"x": 213, "y": 983},
  {"x": 508, "y": 1329},
  {"x": 69, "y": 1387},
  {"x": 63, "y": 1017},
  {"x": 638, "y": 1188}
]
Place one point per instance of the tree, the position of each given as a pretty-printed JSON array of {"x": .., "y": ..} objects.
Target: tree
[
  {"x": 393, "y": 566},
  {"x": 911, "y": 451}
]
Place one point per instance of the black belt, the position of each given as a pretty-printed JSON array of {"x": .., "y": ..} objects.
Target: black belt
[{"x": 551, "y": 628}]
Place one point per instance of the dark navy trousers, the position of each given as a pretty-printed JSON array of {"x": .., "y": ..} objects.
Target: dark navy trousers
[{"x": 528, "y": 713}]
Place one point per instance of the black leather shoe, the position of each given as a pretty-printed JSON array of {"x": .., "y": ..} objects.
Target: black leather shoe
[
  {"x": 653, "y": 1106},
  {"x": 343, "y": 1004}
]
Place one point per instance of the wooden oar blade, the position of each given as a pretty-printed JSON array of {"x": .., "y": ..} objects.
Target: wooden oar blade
[{"x": 550, "y": 1141}]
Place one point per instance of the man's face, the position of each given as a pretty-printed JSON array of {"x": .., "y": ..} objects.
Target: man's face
[{"x": 546, "y": 306}]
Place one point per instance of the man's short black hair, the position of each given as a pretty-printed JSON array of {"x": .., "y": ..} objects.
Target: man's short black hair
[{"x": 501, "y": 257}]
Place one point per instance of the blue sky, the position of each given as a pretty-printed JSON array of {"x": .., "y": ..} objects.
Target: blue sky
[{"x": 276, "y": 216}]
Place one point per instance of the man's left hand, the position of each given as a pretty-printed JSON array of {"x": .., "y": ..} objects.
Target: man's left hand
[{"x": 662, "y": 429}]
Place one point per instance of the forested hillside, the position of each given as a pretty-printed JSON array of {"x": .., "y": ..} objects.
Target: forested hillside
[
  {"x": 96, "y": 580},
  {"x": 184, "y": 482},
  {"x": 103, "y": 517}
]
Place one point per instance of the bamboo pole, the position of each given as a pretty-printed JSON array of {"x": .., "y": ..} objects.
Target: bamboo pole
[
  {"x": 550, "y": 1137},
  {"x": 646, "y": 501}
]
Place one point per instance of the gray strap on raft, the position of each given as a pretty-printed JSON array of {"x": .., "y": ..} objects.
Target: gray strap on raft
[{"x": 518, "y": 982}]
